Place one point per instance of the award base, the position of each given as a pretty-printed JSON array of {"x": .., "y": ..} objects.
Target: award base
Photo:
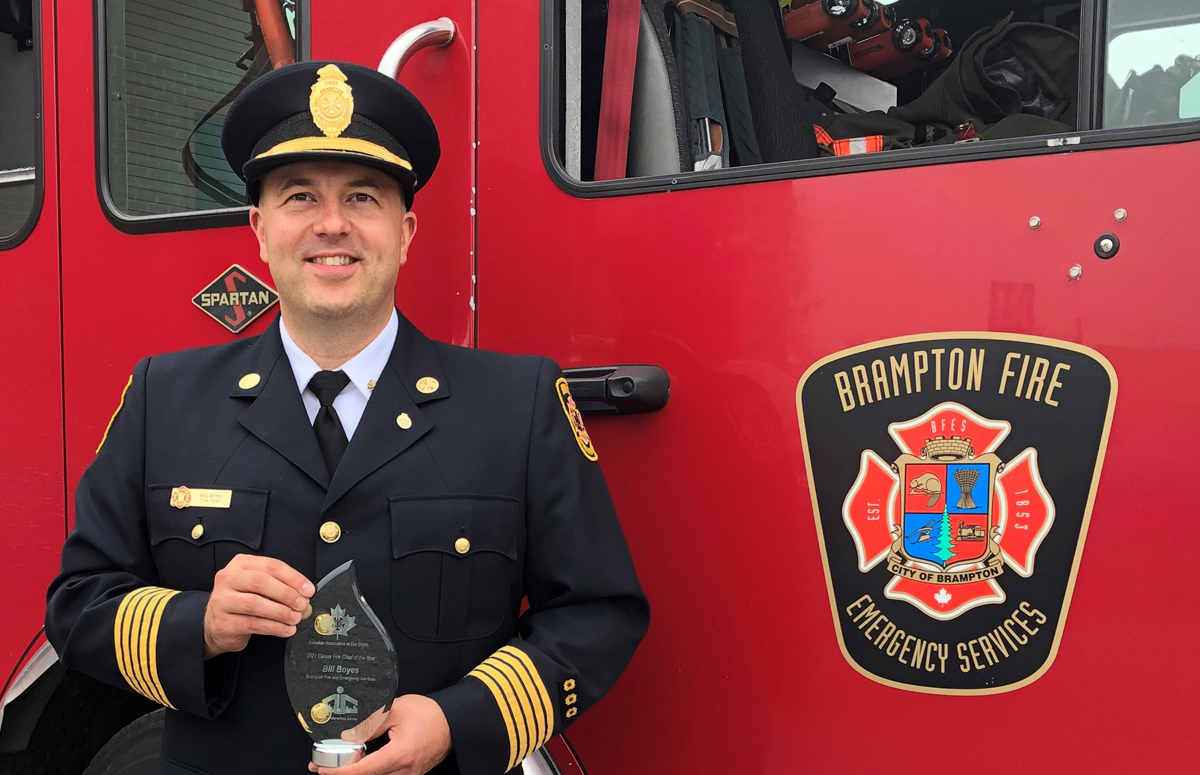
[{"x": 336, "y": 753}]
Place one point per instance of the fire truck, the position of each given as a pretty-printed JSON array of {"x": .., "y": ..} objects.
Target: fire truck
[{"x": 854, "y": 391}]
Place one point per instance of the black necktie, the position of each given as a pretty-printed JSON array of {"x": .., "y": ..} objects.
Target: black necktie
[{"x": 331, "y": 437}]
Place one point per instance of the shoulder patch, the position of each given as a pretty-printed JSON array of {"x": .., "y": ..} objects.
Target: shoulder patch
[
  {"x": 113, "y": 419},
  {"x": 576, "y": 419}
]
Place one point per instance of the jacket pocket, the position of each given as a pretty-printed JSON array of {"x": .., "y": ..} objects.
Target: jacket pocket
[
  {"x": 192, "y": 543},
  {"x": 452, "y": 565}
]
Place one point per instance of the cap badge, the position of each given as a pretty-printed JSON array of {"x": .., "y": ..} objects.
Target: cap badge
[{"x": 331, "y": 101}]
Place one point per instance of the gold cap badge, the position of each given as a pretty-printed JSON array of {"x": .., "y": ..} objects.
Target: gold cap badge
[{"x": 331, "y": 101}]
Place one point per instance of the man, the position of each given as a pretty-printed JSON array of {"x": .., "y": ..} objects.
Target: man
[{"x": 459, "y": 481}]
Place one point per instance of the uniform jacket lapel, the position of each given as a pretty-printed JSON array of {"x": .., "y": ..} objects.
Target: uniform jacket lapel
[
  {"x": 379, "y": 436},
  {"x": 276, "y": 414}
]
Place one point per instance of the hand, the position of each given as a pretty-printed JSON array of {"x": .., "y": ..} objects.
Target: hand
[
  {"x": 420, "y": 739},
  {"x": 253, "y": 595}
]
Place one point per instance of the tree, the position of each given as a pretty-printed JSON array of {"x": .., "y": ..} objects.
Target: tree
[{"x": 945, "y": 549}]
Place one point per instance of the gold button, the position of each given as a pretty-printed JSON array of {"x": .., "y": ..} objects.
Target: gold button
[
  {"x": 330, "y": 532},
  {"x": 571, "y": 713},
  {"x": 462, "y": 546},
  {"x": 569, "y": 684},
  {"x": 427, "y": 385},
  {"x": 197, "y": 531},
  {"x": 249, "y": 381},
  {"x": 404, "y": 421},
  {"x": 570, "y": 700}
]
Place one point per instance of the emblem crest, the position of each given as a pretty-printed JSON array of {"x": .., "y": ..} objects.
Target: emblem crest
[
  {"x": 995, "y": 444},
  {"x": 331, "y": 101},
  {"x": 181, "y": 497},
  {"x": 576, "y": 418}
]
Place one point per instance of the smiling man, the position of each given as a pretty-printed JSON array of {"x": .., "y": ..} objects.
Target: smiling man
[{"x": 460, "y": 482}]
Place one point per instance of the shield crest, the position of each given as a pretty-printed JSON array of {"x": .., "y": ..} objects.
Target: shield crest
[{"x": 947, "y": 503}]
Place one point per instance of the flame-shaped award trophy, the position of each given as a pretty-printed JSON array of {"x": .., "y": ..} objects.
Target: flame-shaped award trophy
[{"x": 339, "y": 668}]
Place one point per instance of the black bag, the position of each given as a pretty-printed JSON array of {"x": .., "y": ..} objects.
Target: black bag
[{"x": 1008, "y": 80}]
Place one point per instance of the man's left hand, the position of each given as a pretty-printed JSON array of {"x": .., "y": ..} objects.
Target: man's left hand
[{"x": 419, "y": 739}]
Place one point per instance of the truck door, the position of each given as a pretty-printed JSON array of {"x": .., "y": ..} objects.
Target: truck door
[
  {"x": 740, "y": 278},
  {"x": 156, "y": 244},
  {"x": 31, "y": 501}
]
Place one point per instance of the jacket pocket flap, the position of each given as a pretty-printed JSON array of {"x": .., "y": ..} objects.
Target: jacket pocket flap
[
  {"x": 457, "y": 525},
  {"x": 241, "y": 520}
]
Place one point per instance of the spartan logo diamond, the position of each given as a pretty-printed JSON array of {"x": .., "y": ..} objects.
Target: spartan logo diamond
[{"x": 236, "y": 299}]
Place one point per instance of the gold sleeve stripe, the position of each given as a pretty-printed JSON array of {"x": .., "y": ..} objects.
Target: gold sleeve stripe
[
  {"x": 135, "y": 639},
  {"x": 533, "y": 721},
  {"x": 505, "y": 712},
  {"x": 124, "y": 658},
  {"x": 530, "y": 702},
  {"x": 538, "y": 686},
  {"x": 521, "y": 695},
  {"x": 519, "y": 724},
  {"x": 113, "y": 419}
]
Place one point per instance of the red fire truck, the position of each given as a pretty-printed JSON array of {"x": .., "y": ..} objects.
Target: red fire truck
[{"x": 893, "y": 490}]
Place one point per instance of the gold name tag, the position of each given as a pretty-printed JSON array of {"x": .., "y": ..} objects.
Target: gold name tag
[{"x": 183, "y": 497}]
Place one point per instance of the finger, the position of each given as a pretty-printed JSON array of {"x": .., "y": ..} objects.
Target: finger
[
  {"x": 259, "y": 582},
  {"x": 260, "y": 607},
  {"x": 280, "y": 570},
  {"x": 369, "y": 728},
  {"x": 237, "y": 625}
]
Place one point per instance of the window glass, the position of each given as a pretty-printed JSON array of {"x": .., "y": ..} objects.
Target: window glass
[
  {"x": 1152, "y": 69},
  {"x": 18, "y": 118},
  {"x": 171, "y": 69},
  {"x": 718, "y": 84}
]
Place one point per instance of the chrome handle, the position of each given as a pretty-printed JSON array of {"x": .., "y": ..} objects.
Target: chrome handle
[
  {"x": 17, "y": 175},
  {"x": 438, "y": 32}
]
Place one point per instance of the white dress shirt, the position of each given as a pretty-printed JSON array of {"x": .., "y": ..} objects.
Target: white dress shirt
[{"x": 363, "y": 370}]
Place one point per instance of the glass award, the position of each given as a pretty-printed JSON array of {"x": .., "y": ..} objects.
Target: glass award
[{"x": 340, "y": 667}]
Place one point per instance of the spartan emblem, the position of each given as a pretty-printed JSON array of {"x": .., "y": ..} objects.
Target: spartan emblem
[{"x": 956, "y": 517}]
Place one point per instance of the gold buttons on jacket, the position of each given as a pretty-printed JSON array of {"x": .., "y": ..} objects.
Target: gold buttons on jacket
[
  {"x": 249, "y": 381},
  {"x": 197, "y": 531},
  {"x": 570, "y": 699},
  {"x": 330, "y": 532},
  {"x": 568, "y": 684},
  {"x": 427, "y": 385},
  {"x": 462, "y": 546},
  {"x": 571, "y": 713},
  {"x": 404, "y": 421}
]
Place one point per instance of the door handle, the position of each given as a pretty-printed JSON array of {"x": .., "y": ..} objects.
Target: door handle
[
  {"x": 619, "y": 389},
  {"x": 438, "y": 32}
]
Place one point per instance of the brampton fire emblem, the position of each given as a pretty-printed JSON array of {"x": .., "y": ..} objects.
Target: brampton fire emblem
[{"x": 952, "y": 478}]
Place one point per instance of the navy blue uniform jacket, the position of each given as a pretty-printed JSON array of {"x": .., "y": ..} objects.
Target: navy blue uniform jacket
[{"x": 492, "y": 455}]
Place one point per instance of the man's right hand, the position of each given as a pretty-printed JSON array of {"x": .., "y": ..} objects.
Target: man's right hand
[{"x": 253, "y": 595}]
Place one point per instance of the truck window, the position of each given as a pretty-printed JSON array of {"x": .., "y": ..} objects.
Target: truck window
[
  {"x": 169, "y": 71},
  {"x": 1152, "y": 72},
  {"x": 19, "y": 125},
  {"x": 722, "y": 84}
]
